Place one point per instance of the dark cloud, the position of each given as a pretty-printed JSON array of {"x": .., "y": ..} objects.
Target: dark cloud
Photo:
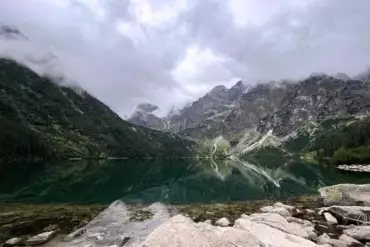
[{"x": 170, "y": 52}]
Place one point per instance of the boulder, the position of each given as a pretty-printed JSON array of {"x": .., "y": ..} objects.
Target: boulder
[
  {"x": 330, "y": 218},
  {"x": 270, "y": 236},
  {"x": 40, "y": 238},
  {"x": 346, "y": 195},
  {"x": 279, "y": 222},
  {"x": 310, "y": 211},
  {"x": 325, "y": 239},
  {"x": 347, "y": 214},
  {"x": 360, "y": 233},
  {"x": 12, "y": 242},
  {"x": 222, "y": 222},
  {"x": 181, "y": 231},
  {"x": 350, "y": 241}
]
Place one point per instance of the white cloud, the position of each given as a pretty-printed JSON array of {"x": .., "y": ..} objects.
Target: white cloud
[{"x": 169, "y": 52}]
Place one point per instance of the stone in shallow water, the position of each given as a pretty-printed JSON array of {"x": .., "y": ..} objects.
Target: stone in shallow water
[
  {"x": 222, "y": 222},
  {"x": 41, "y": 238},
  {"x": 279, "y": 208},
  {"x": 330, "y": 218},
  {"x": 12, "y": 242},
  {"x": 310, "y": 211},
  {"x": 75, "y": 234}
]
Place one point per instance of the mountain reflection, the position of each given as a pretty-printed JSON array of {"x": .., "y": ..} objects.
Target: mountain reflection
[{"x": 170, "y": 181}]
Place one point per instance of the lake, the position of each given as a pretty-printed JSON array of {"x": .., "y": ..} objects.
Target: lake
[{"x": 169, "y": 181}]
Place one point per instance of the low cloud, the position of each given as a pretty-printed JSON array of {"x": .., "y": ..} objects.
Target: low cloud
[{"x": 171, "y": 52}]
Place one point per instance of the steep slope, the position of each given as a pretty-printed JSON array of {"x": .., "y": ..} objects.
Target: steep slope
[
  {"x": 317, "y": 98},
  {"x": 195, "y": 120},
  {"x": 40, "y": 119}
]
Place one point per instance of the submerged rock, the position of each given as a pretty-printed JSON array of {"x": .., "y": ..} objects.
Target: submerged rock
[
  {"x": 75, "y": 234},
  {"x": 41, "y": 238},
  {"x": 12, "y": 242},
  {"x": 346, "y": 195},
  {"x": 279, "y": 208}
]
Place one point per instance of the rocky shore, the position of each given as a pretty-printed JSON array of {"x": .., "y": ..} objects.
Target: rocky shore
[{"x": 339, "y": 218}]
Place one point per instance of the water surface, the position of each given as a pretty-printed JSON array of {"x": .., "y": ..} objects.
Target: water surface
[{"x": 175, "y": 181}]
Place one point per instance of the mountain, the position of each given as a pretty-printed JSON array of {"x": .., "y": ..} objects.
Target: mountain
[
  {"x": 41, "y": 119},
  {"x": 211, "y": 108},
  {"x": 285, "y": 117}
]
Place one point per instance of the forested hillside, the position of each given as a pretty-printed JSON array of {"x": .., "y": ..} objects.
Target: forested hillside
[{"x": 40, "y": 119}]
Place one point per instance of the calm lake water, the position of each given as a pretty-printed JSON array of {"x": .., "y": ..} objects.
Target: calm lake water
[{"x": 181, "y": 181}]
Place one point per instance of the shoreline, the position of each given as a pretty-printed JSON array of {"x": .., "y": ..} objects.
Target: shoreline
[{"x": 27, "y": 219}]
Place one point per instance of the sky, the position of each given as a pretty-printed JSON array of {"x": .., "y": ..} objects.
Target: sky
[{"x": 171, "y": 52}]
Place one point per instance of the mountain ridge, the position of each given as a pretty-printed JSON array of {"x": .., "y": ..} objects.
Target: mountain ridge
[{"x": 57, "y": 122}]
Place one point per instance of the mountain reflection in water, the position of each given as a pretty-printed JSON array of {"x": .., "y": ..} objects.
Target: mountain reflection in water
[{"x": 169, "y": 181}]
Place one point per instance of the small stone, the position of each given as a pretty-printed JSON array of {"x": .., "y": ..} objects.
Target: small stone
[
  {"x": 41, "y": 238},
  {"x": 123, "y": 240},
  {"x": 330, "y": 218},
  {"x": 222, "y": 222},
  {"x": 209, "y": 222},
  {"x": 299, "y": 221},
  {"x": 75, "y": 234},
  {"x": 310, "y": 211},
  {"x": 12, "y": 242}
]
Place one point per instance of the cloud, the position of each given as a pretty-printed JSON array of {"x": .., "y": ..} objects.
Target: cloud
[{"x": 171, "y": 52}]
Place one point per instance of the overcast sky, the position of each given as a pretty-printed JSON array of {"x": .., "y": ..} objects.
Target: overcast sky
[{"x": 169, "y": 52}]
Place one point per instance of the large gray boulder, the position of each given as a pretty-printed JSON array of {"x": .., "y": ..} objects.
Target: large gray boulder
[
  {"x": 181, "y": 231},
  {"x": 280, "y": 223},
  {"x": 346, "y": 195},
  {"x": 270, "y": 236},
  {"x": 350, "y": 241},
  {"x": 348, "y": 213},
  {"x": 360, "y": 233},
  {"x": 325, "y": 239}
]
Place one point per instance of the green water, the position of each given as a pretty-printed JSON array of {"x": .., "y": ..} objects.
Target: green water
[{"x": 182, "y": 181}]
